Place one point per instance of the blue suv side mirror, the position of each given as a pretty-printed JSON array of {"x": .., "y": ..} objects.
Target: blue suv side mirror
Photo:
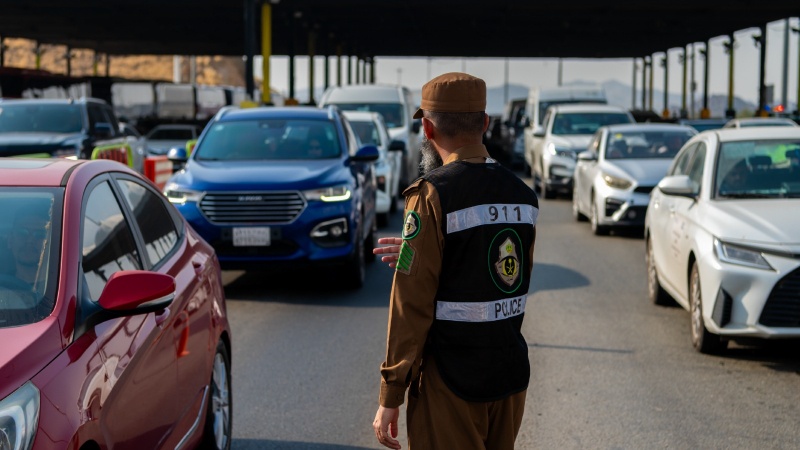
[{"x": 367, "y": 153}]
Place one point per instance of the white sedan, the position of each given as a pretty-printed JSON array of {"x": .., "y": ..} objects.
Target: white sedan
[
  {"x": 619, "y": 169},
  {"x": 371, "y": 129},
  {"x": 722, "y": 235}
]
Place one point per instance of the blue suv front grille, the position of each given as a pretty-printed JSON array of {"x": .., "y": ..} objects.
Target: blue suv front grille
[{"x": 262, "y": 207}]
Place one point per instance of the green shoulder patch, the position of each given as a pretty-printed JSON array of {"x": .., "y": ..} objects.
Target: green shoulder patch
[
  {"x": 412, "y": 225},
  {"x": 405, "y": 259}
]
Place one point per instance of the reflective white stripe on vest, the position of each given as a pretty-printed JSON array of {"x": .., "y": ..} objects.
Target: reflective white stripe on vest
[
  {"x": 464, "y": 219},
  {"x": 480, "y": 311}
]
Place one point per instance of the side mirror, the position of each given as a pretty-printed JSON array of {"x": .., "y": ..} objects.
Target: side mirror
[
  {"x": 367, "y": 153},
  {"x": 538, "y": 132},
  {"x": 178, "y": 156},
  {"x": 133, "y": 292},
  {"x": 587, "y": 156},
  {"x": 127, "y": 293},
  {"x": 103, "y": 130},
  {"x": 416, "y": 125},
  {"x": 397, "y": 146},
  {"x": 678, "y": 185}
]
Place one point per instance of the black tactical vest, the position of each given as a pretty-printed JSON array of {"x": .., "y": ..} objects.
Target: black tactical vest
[{"x": 476, "y": 338}]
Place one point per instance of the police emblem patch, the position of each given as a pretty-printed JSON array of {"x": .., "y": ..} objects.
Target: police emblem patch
[
  {"x": 411, "y": 226},
  {"x": 505, "y": 262}
]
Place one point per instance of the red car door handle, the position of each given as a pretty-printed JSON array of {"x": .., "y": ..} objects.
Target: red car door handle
[{"x": 199, "y": 268}]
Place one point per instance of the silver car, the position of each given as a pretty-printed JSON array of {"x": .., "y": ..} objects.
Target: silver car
[{"x": 622, "y": 164}]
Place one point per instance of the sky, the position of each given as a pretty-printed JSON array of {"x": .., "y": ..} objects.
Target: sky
[{"x": 539, "y": 72}]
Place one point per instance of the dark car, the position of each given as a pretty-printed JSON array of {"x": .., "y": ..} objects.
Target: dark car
[
  {"x": 282, "y": 188},
  {"x": 512, "y": 125},
  {"x": 58, "y": 128}
]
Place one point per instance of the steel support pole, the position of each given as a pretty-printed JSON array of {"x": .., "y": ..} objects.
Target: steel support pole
[
  {"x": 68, "y": 61},
  {"x": 364, "y": 71},
  {"x": 692, "y": 82},
  {"x": 684, "y": 112},
  {"x": 349, "y": 69},
  {"x": 372, "y": 70},
  {"x": 785, "y": 79},
  {"x": 2, "y": 51},
  {"x": 797, "y": 111},
  {"x": 327, "y": 70},
  {"x": 706, "y": 113},
  {"x": 505, "y": 85},
  {"x": 108, "y": 65},
  {"x": 650, "y": 92},
  {"x": 644, "y": 83},
  {"x": 730, "y": 112},
  {"x": 560, "y": 71},
  {"x": 192, "y": 69},
  {"x": 665, "y": 64},
  {"x": 633, "y": 92},
  {"x": 266, "y": 52},
  {"x": 762, "y": 68},
  {"x": 339, "y": 65},
  {"x": 312, "y": 44},
  {"x": 96, "y": 62},
  {"x": 358, "y": 70},
  {"x": 291, "y": 99},
  {"x": 249, "y": 47}
]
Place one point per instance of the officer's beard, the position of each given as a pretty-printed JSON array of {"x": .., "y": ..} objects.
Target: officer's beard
[{"x": 430, "y": 157}]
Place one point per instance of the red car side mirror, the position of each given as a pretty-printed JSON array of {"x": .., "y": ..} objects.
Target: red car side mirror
[{"x": 137, "y": 292}]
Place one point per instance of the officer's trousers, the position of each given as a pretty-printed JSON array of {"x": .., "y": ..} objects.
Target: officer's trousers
[{"x": 440, "y": 420}]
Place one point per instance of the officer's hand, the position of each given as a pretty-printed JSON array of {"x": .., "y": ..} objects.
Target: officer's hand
[
  {"x": 392, "y": 251},
  {"x": 386, "y": 422}
]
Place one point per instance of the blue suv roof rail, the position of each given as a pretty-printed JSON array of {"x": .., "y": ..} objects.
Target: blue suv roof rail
[
  {"x": 222, "y": 111},
  {"x": 332, "y": 109}
]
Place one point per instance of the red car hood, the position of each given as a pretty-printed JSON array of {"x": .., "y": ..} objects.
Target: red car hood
[{"x": 26, "y": 350}]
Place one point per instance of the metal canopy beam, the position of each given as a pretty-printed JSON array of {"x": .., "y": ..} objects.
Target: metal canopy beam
[{"x": 468, "y": 28}]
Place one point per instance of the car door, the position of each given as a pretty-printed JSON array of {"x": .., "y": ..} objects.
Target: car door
[
  {"x": 167, "y": 250},
  {"x": 682, "y": 222},
  {"x": 538, "y": 145},
  {"x": 138, "y": 351},
  {"x": 587, "y": 172},
  {"x": 660, "y": 216}
]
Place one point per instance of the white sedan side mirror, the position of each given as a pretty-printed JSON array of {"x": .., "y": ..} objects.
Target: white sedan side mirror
[{"x": 680, "y": 185}]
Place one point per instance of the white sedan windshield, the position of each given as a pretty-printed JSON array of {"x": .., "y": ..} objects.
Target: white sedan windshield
[{"x": 758, "y": 169}]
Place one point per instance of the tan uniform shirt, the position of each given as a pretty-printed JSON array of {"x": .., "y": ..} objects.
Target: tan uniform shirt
[{"x": 413, "y": 308}]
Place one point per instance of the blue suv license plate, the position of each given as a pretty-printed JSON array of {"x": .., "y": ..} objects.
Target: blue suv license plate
[{"x": 251, "y": 237}]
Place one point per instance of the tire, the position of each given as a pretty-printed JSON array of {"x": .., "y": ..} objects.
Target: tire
[
  {"x": 527, "y": 168},
  {"x": 217, "y": 433},
  {"x": 383, "y": 219},
  {"x": 371, "y": 242},
  {"x": 355, "y": 272},
  {"x": 655, "y": 292},
  {"x": 702, "y": 340},
  {"x": 597, "y": 229},
  {"x": 576, "y": 212}
]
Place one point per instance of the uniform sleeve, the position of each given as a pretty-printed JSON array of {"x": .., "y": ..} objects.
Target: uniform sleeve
[{"x": 416, "y": 280}]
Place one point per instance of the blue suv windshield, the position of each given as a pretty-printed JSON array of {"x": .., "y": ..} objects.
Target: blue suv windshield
[{"x": 269, "y": 139}]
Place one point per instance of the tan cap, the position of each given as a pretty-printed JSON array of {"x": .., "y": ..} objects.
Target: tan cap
[{"x": 453, "y": 93}]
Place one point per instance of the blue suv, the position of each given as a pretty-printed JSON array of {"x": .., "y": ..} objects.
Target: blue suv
[{"x": 279, "y": 187}]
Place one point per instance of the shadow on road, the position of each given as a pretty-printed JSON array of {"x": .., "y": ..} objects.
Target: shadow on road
[
  {"x": 780, "y": 356},
  {"x": 261, "y": 444},
  {"x": 583, "y": 349},
  {"x": 550, "y": 277}
]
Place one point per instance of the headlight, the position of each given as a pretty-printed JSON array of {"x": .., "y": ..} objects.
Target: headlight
[
  {"x": 333, "y": 233},
  {"x": 734, "y": 254},
  {"x": 179, "y": 195},
  {"x": 555, "y": 150},
  {"x": 616, "y": 182},
  {"x": 331, "y": 194},
  {"x": 19, "y": 416}
]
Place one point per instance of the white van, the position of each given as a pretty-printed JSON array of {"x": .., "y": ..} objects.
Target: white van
[
  {"x": 396, "y": 105},
  {"x": 540, "y": 99},
  {"x": 175, "y": 101},
  {"x": 133, "y": 100}
]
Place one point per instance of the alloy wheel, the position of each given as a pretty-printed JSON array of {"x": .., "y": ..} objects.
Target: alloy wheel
[{"x": 220, "y": 402}]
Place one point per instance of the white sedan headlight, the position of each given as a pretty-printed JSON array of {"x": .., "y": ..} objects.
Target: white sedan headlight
[
  {"x": 19, "y": 417},
  {"x": 616, "y": 182},
  {"x": 179, "y": 195},
  {"x": 331, "y": 194},
  {"x": 734, "y": 254}
]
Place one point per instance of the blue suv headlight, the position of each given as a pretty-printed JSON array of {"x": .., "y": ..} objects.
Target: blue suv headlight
[
  {"x": 333, "y": 233},
  {"x": 180, "y": 195},
  {"x": 330, "y": 194}
]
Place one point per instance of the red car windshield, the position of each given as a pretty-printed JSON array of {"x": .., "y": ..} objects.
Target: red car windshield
[{"x": 30, "y": 231}]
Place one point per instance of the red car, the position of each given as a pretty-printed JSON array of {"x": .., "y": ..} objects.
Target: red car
[{"x": 113, "y": 326}]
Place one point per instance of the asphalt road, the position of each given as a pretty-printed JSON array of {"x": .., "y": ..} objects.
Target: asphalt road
[{"x": 609, "y": 370}]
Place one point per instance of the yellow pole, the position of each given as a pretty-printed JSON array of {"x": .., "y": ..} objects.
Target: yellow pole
[
  {"x": 38, "y": 56},
  {"x": 266, "y": 51}
]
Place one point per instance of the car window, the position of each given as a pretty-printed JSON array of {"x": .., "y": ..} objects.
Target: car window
[
  {"x": 367, "y": 132},
  {"x": 646, "y": 144},
  {"x": 96, "y": 115},
  {"x": 682, "y": 162},
  {"x": 32, "y": 117},
  {"x": 567, "y": 124},
  {"x": 696, "y": 169},
  {"x": 153, "y": 219},
  {"x": 112, "y": 119},
  {"x": 108, "y": 246},
  {"x": 392, "y": 112},
  {"x": 767, "y": 168}
]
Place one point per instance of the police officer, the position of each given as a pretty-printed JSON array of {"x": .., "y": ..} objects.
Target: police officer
[{"x": 462, "y": 271}]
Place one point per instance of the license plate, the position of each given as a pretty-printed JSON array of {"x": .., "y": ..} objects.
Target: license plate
[{"x": 251, "y": 237}]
